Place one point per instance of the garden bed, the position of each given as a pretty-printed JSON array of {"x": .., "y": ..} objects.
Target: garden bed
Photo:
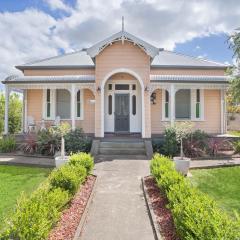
[
  {"x": 158, "y": 202},
  {"x": 71, "y": 217}
]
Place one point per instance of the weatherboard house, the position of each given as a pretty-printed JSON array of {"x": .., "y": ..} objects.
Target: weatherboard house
[{"x": 122, "y": 85}]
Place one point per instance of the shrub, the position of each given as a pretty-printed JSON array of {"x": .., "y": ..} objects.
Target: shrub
[
  {"x": 236, "y": 147},
  {"x": 170, "y": 145},
  {"x": 158, "y": 145},
  {"x": 196, "y": 215},
  {"x": 48, "y": 141},
  {"x": 77, "y": 141},
  {"x": 7, "y": 144},
  {"x": 30, "y": 146},
  {"x": 215, "y": 144},
  {"x": 35, "y": 216},
  {"x": 83, "y": 159},
  {"x": 68, "y": 177}
]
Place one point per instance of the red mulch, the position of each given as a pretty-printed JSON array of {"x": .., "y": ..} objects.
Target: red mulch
[
  {"x": 163, "y": 215},
  {"x": 67, "y": 226}
]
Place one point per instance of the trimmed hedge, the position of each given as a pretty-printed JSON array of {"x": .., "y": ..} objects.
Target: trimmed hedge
[
  {"x": 36, "y": 215},
  {"x": 82, "y": 159},
  {"x": 196, "y": 215}
]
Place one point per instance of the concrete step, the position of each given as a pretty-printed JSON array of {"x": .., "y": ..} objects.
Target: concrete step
[
  {"x": 122, "y": 145},
  {"x": 102, "y": 157},
  {"x": 124, "y": 151}
]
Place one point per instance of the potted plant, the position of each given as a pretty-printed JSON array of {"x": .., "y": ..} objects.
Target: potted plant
[
  {"x": 182, "y": 130},
  {"x": 62, "y": 130}
]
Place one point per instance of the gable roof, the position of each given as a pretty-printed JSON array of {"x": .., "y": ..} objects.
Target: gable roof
[
  {"x": 173, "y": 59},
  {"x": 122, "y": 36},
  {"x": 75, "y": 59}
]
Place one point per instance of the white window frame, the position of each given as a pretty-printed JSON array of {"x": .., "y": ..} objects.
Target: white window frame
[
  {"x": 193, "y": 105},
  {"x": 52, "y": 104},
  {"x": 163, "y": 105},
  {"x": 81, "y": 104}
]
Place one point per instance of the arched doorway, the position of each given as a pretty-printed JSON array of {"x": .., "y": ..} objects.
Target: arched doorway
[{"x": 123, "y": 107}]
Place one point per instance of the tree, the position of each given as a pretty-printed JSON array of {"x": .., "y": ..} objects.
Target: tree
[
  {"x": 234, "y": 90},
  {"x": 15, "y": 113}
]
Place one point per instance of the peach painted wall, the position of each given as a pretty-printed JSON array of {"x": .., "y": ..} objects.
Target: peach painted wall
[
  {"x": 175, "y": 71},
  {"x": 34, "y": 103},
  {"x": 88, "y": 122},
  {"x": 128, "y": 56},
  {"x": 59, "y": 72},
  {"x": 212, "y": 113}
]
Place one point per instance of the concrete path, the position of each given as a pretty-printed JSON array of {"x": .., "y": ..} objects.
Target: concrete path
[
  {"x": 214, "y": 163},
  {"x": 9, "y": 159},
  {"x": 118, "y": 210}
]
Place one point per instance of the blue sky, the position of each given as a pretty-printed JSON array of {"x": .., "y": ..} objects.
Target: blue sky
[{"x": 36, "y": 29}]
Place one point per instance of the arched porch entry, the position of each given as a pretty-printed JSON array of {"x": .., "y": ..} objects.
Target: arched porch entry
[{"x": 122, "y": 97}]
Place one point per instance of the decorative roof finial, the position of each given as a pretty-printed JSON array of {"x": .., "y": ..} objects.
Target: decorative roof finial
[{"x": 122, "y": 23}]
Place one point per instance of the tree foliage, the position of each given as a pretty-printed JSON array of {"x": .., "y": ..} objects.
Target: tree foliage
[
  {"x": 15, "y": 113},
  {"x": 234, "y": 90}
]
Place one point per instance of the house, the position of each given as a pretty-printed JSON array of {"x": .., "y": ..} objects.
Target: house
[{"x": 122, "y": 85}]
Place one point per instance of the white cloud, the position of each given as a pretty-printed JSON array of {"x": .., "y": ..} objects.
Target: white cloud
[
  {"x": 198, "y": 47},
  {"x": 33, "y": 34},
  {"x": 58, "y": 5}
]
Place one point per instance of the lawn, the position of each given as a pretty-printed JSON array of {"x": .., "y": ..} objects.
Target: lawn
[
  {"x": 234, "y": 133},
  {"x": 223, "y": 184},
  {"x": 14, "y": 180}
]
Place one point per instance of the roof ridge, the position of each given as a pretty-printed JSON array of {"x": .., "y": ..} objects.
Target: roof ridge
[{"x": 196, "y": 58}]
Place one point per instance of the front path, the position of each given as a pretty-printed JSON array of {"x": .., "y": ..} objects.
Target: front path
[{"x": 118, "y": 209}]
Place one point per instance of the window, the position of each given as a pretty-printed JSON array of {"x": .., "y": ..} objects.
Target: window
[
  {"x": 48, "y": 103},
  {"x": 134, "y": 87},
  {"x": 110, "y": 104},
  {"x": 79, "y": 104},
  {"x": 134, "y": 103},
  {"x": 198, "y": 99},
  {"x": 110, "y": 87},
  {"x": 183, "y": 104},
  {"x": 63, "y": 103},
  {"x": 166, "y": 104},
  {"x": 121, "y": 87}
]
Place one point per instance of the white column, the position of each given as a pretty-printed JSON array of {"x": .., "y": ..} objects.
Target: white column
[
  {"x": 73, "y": 107},
  {"x": 223, "y": 128},
  {"x": 172, "y": 104},
  {"x": 25, "y": 111},
  {"x": 6, "y": 109}
]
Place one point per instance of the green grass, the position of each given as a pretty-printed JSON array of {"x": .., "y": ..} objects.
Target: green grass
[
  {"x": 234, "y": 133},
  {"x": 13, "y": 181},
  {"x": 222, "y": 184}
]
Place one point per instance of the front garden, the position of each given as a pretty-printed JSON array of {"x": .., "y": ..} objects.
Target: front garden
[
  {"x": 36, "y": 216},
  {"x": 195, "y": 214},
  {"x": 47, "y": 142},
  {"x": 196, "y": 144}
]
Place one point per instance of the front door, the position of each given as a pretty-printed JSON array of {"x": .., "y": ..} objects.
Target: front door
[{"x": 121, "y": 112}]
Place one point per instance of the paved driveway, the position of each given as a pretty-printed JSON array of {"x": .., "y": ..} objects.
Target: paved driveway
[{"x": 118, "y": 209}]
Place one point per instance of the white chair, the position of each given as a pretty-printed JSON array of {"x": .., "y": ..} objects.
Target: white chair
[
  {"x": 42, "y": 125},
  {"x": 57, "y": 121},
  {"x": 31, "y": 124}
]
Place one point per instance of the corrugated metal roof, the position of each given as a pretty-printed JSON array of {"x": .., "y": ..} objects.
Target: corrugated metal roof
[
  {"x": 46, "y": 79},
  {"x": 172, "y": 59},
  {"x": 189, "y": 78},
  {"x": 79, "y": 58}
]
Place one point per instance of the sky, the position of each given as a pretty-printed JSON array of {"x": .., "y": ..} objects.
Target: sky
[{"x": 36, "y": 29}]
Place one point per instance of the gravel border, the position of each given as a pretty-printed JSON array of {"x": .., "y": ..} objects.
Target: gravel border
[
  {"x": 85, "y": 213},
  {"x": 68, "y": 225},
  {"x": 153, "y": 219}
]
